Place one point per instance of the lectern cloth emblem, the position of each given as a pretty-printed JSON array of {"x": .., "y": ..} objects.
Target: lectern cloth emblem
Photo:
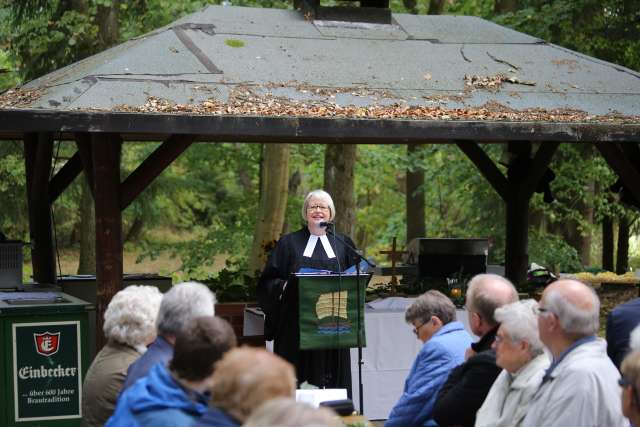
[{"x": 328, "y": 307}]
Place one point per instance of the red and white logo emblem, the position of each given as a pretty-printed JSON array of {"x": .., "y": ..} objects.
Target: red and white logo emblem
[{"x": 47, "y": 343}]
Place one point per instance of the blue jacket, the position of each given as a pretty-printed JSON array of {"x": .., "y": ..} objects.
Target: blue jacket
[
  {"x": 620, "y": 322},
  {"x": 159, "y": 351},
  {"x": 216, "y": 418},
  {"x": 438, "y": 356},
  {"x": 157, "y": 400}
]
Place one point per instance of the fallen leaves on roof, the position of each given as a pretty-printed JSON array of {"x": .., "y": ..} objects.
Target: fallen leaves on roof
[
  {"x": 492, "y": 83},
  {"x": 18, "y": 97}
]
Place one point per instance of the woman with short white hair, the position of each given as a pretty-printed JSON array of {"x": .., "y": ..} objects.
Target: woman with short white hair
[
  {"x": 520, "y": 353},
  {"x": 310, "y": 248},
  {"x": 129, "y": 326}
]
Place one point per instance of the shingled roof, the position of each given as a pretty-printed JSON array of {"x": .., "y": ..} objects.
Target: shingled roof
[{"x": 261, "y": 74}]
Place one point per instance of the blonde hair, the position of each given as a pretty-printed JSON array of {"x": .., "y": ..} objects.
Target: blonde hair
[
  {"x": 131, "y": 315},
  {"x": 246, "y": 377},
  {"x": 283, "y": 412},
  {"x": 322, "y": 195}
]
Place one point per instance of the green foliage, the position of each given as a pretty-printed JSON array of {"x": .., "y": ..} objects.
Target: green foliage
[
  {"x": 231, "y": 285},
  {"x": 553, "y": 253}
]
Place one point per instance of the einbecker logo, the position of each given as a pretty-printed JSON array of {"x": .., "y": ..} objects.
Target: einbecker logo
[{"x": 47, "y": 343}]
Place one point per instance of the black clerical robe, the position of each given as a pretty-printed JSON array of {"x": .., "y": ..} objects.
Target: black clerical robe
[{"x": 323, "y": 368}]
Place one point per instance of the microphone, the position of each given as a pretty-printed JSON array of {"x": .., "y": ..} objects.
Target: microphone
[{"x": 324, "y": 224}]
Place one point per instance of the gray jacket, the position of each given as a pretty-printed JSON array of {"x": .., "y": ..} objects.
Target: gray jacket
[{"x": 582, "y": 391}]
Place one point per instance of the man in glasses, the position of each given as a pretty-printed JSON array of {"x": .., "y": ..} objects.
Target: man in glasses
[
  {"x": 580, "y": 388},
  {"x": 433, "y": 317}
]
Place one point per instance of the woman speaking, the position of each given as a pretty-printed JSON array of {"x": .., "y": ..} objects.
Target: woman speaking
[{"x": 309, "y": 247}]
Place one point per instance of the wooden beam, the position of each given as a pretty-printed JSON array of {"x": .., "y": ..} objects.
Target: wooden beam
[
  {"x": 64, "y": 177},
  {"x": 152, "y": 166},
  {"x": 485, "y": 165},
  {"x": 538, "y": 167},
  {"x": 621, "y": 165},
  {"x": 83, "y": 142},
  {"x": 106, "y": 160},
  {"x": 38, "y": 154}
]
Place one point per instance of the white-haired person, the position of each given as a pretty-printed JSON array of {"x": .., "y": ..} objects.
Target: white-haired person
[
  {"x": 182, "y": 303},
  {"x": 309, "y": 247},
  {"x": 283, "y": 412},
  {"x": 520, "y": 354},
  {"x": 129, "y": 326},
  {"x": 580, "y": 388}
]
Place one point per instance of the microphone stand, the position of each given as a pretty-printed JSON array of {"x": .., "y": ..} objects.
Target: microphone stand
[{"x": 359, "y": 327}]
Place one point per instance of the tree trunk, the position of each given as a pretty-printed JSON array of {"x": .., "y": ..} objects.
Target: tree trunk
[
  {"x": 436, "y": 7},
  {"x": 274, "y": 191},
  {"x": 607, "y": 243},
  {"x": 108, "y": 26},
  {"x": 505, "y": 6},
  {"x": 622, "y": 259},
  {"x": 339, "y": 163},
  {"x": 87, "y": 263},
  {"x": 415, "y": 205},
  {"x": 294, "y": 183}
]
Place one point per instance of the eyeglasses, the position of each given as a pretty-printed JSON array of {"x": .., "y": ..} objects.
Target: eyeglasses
[
  {"x": 318, "y": 207},
  {"x": 542, "y": 310},
  {"x": 416, "y": 330},
  {"x": 624, "y": 382}
]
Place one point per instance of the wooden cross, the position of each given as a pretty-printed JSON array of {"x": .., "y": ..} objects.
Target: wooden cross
[{"x": 394, "y": 256}]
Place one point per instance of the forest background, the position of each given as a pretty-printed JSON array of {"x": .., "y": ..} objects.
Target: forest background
[{"x": 201, "y": 213}]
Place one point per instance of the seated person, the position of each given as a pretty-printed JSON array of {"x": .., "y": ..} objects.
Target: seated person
[
  {"x": 630, "y": 383},
  {"x": 580, "y": 388},
  {"x": 245, "y": 378},
  {"x": 129, "y": 326},
  {"x": 433, "y": 316},
  {"x": 283, "y": 412},
  {"x": 176, "y": 396},
  {"x": 468, "y": 384},
  {"x": 620, "y": 322},
  {"x": 520, "y": 353},
  {"x": 179, "y": 305}
]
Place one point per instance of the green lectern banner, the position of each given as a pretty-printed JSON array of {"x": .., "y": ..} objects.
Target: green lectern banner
[{"x": 328, "y": 305}]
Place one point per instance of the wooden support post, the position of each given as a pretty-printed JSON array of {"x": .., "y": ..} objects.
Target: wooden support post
[
  {"x": 106, "y": 161},
  {"x": 414, "y": 200},
  {"x": 38, "y": 149}
]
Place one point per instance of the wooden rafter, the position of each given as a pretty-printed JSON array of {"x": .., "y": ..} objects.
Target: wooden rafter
[
  {"x": 619, "y": 162},
  {"x": 538, "y": 167},
  {"x": 152, "y": 166},
  {"x": 64, "y": 177},
  {"x": 486, "y": 166}
]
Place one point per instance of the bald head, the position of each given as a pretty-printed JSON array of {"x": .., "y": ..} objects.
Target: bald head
[
  {"x": 576, "y": 306},
  {"x": 486, "y": 292}
]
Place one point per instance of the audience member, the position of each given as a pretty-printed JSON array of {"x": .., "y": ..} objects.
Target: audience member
[
  {"x": 620, "y": 322},
  {"x": 468, "y": 384},
  {"x": 580, "y": 387},
  {"x": 129, "y": 326},
  {"x": 180, "y": 304},
  {"x": 176, "y": 396},
  {"x": 245, "y": 378},
  {"x": 630, "y": 383},
  {"x": 283, "y": 412},
  {"x": 520, "y": 354},
  {"x": 445, "y": 341}
]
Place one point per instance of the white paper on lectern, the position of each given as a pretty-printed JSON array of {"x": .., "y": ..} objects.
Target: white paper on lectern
[{"x": 316, "y": 396}]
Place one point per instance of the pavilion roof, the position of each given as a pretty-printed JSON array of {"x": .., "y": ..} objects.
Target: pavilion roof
[{"x": 237, "y": 62}]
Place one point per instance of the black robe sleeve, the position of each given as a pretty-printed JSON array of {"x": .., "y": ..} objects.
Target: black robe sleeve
[{"x": 271, "y": 285}]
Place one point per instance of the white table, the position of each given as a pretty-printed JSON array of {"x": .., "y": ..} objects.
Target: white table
[{"x": 391, "y": 349}]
